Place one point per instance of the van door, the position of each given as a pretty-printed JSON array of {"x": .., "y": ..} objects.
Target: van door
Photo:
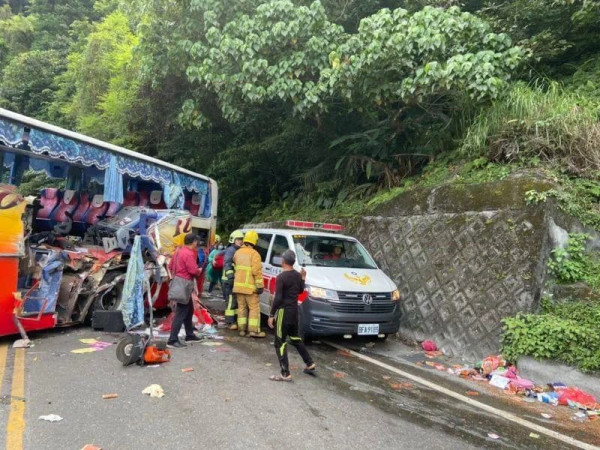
[
  {"x": 262, "y": 247},
  {"x": 272, "y": 268}
]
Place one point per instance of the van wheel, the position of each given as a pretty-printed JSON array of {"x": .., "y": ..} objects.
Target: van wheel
[{"x": 111, "y": 300}]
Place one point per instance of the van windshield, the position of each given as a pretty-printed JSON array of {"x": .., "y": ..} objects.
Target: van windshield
[{"x": 332, "y": 252}]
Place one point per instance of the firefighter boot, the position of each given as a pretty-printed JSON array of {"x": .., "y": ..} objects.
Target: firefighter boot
[{"x": 259, "y": 334}]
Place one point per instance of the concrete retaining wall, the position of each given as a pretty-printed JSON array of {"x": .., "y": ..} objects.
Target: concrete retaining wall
[{"x": 464, "y": 257}]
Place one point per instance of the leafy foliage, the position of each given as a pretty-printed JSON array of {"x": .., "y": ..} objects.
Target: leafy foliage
[
  {"x": 570, "y": 264},
  {"x": 568, "y": 332}
]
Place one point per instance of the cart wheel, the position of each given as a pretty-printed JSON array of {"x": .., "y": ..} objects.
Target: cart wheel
[{"x": 124, "y": 348}]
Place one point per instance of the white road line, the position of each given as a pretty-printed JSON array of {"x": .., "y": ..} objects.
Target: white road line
[{"x": 470, "y": 401}]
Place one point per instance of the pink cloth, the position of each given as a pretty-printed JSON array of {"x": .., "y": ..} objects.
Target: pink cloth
[
  {"x": 429, "y": 346},
  {"x": 184, "y": 264}
]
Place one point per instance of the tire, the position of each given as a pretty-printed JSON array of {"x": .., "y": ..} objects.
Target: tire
[
  {"x": 112, "y": 299},
  {"x": 124, "y": 348}
]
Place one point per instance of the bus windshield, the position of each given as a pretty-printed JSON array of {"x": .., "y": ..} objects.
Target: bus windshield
[{"x": 332, "y": 251}]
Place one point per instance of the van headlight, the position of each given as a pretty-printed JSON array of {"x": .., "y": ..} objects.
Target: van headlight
[
  {"x": 322, "y": 293},
  {"x": 396, "y": 295}
]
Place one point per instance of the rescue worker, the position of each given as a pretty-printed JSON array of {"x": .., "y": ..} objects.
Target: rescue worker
[
  {"x": 248, "y": 284},
  {"x": 289, "y": 285},
  {"x": 231, "y": 308}
]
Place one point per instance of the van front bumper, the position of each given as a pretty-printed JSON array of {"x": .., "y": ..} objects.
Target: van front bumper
[{"x": 320, "y": 318}]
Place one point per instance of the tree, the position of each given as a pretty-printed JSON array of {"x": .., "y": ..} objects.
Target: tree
[{"x": 27, "y": 83}]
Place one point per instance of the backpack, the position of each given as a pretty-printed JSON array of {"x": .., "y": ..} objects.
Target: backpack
[{"x": 218, "y": 261}]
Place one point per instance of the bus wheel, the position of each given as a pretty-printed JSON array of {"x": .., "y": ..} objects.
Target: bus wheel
[{"x": 111, "y": 300}]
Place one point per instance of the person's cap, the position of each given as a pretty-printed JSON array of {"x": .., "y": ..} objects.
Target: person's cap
[{"x": 289, "y": 257}]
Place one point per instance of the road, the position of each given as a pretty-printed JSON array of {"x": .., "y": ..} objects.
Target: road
[{"x": 227, "y": 401}]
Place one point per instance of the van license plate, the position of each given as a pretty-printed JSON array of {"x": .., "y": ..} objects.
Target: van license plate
[{"x": 367, "y": 329}]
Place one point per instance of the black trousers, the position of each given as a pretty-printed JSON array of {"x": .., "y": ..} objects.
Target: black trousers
[
  {"x": 287, "y": 326},
  {"x": 183, "y": 316}
]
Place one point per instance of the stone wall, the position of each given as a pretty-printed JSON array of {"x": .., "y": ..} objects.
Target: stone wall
[{"x": 463, "y": 257}]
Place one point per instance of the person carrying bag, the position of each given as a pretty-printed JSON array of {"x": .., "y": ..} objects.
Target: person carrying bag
[{"x": 184, "y": 268}]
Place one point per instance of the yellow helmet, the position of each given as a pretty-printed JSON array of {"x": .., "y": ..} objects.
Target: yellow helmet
[
  {"x": 251, "y": 237},
  {"x": 217, "y": 238},
  {"x": 237, "y": 234}
]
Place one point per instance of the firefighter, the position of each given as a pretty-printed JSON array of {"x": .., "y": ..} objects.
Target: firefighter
[
  {"x": 235, "y": 242},
  {"x": 248, "y": 284}
]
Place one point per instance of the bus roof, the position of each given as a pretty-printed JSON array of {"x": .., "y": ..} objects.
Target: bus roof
[{"x": 34, "y": 123}]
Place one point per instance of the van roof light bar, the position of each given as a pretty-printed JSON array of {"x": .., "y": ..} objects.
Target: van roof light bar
[{"x": 313, "y": 225}]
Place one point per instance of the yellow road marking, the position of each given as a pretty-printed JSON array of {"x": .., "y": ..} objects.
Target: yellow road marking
[
  {"x": 3, "y": 353},
  {"x": 16, "y": 419}
]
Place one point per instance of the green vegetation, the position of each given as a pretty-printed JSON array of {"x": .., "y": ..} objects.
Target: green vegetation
[{"x": 564, "y": 331}]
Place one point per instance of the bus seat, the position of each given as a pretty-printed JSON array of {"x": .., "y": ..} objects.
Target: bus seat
[
  {"x": 97, "y": 209},
  {"x": 79, "y": 225},
  {"x": 49, "y": 201},
  {"x": 113, "y": 209},
  {"x": 144, "y": 198},
  {"x": 156, "y": 200},
  {"x": 130, "y": 199},
  {"x": 68, "y": 203},
  {"x": 194, "y": 205}
]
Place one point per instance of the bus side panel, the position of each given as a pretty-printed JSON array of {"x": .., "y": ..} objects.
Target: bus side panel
[{"x": 9, "y": 268}]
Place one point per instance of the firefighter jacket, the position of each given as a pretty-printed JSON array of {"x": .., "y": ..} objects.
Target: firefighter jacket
[
  {"x": 228, "y": 266},
  {"x": 248, "y": 271}
]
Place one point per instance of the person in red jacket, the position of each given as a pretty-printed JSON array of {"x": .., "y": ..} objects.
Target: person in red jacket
[{"x": 184, "y": 264}]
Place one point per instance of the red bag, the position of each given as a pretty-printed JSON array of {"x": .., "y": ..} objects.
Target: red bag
[
  {"x": 218, "y": 261},
  {"x": 576, "y": 395}
]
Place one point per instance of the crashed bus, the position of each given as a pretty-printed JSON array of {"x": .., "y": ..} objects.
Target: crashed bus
[{"x": 66, "y": 250}]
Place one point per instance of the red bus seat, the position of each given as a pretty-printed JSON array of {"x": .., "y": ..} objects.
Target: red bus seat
[
  {"x": 49, "y": 200},
  {"x": 97, "y": 209},
  {"x": 156, "y": 200},
  {"x": 68, "y": 203},
  {"x": 192, "y": 204},
  {"x": 130, "y": 199},
  {"x": 79, "y": 224},
  {"x": 144, "y": 199},
  {"x": 113, "y": 209}
]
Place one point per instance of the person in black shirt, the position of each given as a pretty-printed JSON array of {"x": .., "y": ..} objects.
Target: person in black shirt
[{"x": 284, "y": 312}]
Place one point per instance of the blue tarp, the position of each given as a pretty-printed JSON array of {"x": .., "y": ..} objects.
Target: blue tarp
[{"x": 132, "y": 300}]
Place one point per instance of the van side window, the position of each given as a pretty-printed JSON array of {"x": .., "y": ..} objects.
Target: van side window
[
  {"x": 262, "y": 247},
  {"x": 280, "y": 245}
]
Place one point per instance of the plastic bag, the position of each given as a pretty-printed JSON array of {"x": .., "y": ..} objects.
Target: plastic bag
[
  {"x": 429, "y": 346},
  {"x": 575, "y": 396},
  {"x": 491, "y": 363}
]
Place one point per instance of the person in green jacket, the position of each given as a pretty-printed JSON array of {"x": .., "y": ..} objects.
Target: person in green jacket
[{"x": 214, "y": 271}]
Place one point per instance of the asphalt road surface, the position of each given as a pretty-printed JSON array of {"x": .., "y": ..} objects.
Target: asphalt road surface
[{"x": 228, "y": 401}]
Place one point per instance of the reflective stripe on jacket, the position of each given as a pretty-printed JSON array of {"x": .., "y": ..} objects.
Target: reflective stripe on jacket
[
  {"x": 228, "y": 263},
  {"x": 248, "y": 271}
]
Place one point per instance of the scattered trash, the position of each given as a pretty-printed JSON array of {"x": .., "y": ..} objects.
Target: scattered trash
[
  {"x": 473, "y": 393},
  {"x": 344, "y": 353},
  {"x": 579, "y": 417},
  {"x": 493, "y": 436},
  {"x": 370, "y": 344},
  {"x": 154, "y": 390},
  {"x": 188, "y": 369},
  {"x": 22, "y": 343},
  {"x": 429, "y": 346},
  {"x": 433, "y": 354},
  {"x": 211, "y": 344},
  {"x": 534, "y": 435},
  {"x": 491, "y": 363},
  {"x": 154, "y": 365},
  {"x": 499, "y": 381},
  {"x": 576, "y": 398},
  {"x": 400, "y": 386},
  {"x": 547, "y": 416},
  {"x": 91, "y": 447},
  {"x": 268, "y": 364},
  {"x": 548, "y": 397},
  {"x": 84, "y": 350},
  {"x": 88, "y": 341},
  {"x": 109, "y": 396},
  {"x": 339, "y": 374},
  {"x": 51, "y": 418},
  {"x": 386, "y": 377}
]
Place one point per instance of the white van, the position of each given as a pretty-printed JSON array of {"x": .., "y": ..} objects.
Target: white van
[{"x": 346, "y": 293}]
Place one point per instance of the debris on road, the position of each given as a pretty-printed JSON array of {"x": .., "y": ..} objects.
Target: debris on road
[
  {"x": 345, "y": 353},
  {"x": 188, "y": 369},
  {"x": 84, "y": 350},
  {"x": 211, "y": 344},
  {"x": 22, "y": 343},
  {"x": 154, "y": 390},
  {"x": 429, "y": 346},
  {"x": 339, "y": 374},
  {"x": 493, "y": 436},
  {"x": 51, "y": 418},
  {"x": 109, "y": 396},
  {"x": 472, "y": 393},
  {"x": 534, "y": 435},
  {"x": 91, "y": 447}
]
